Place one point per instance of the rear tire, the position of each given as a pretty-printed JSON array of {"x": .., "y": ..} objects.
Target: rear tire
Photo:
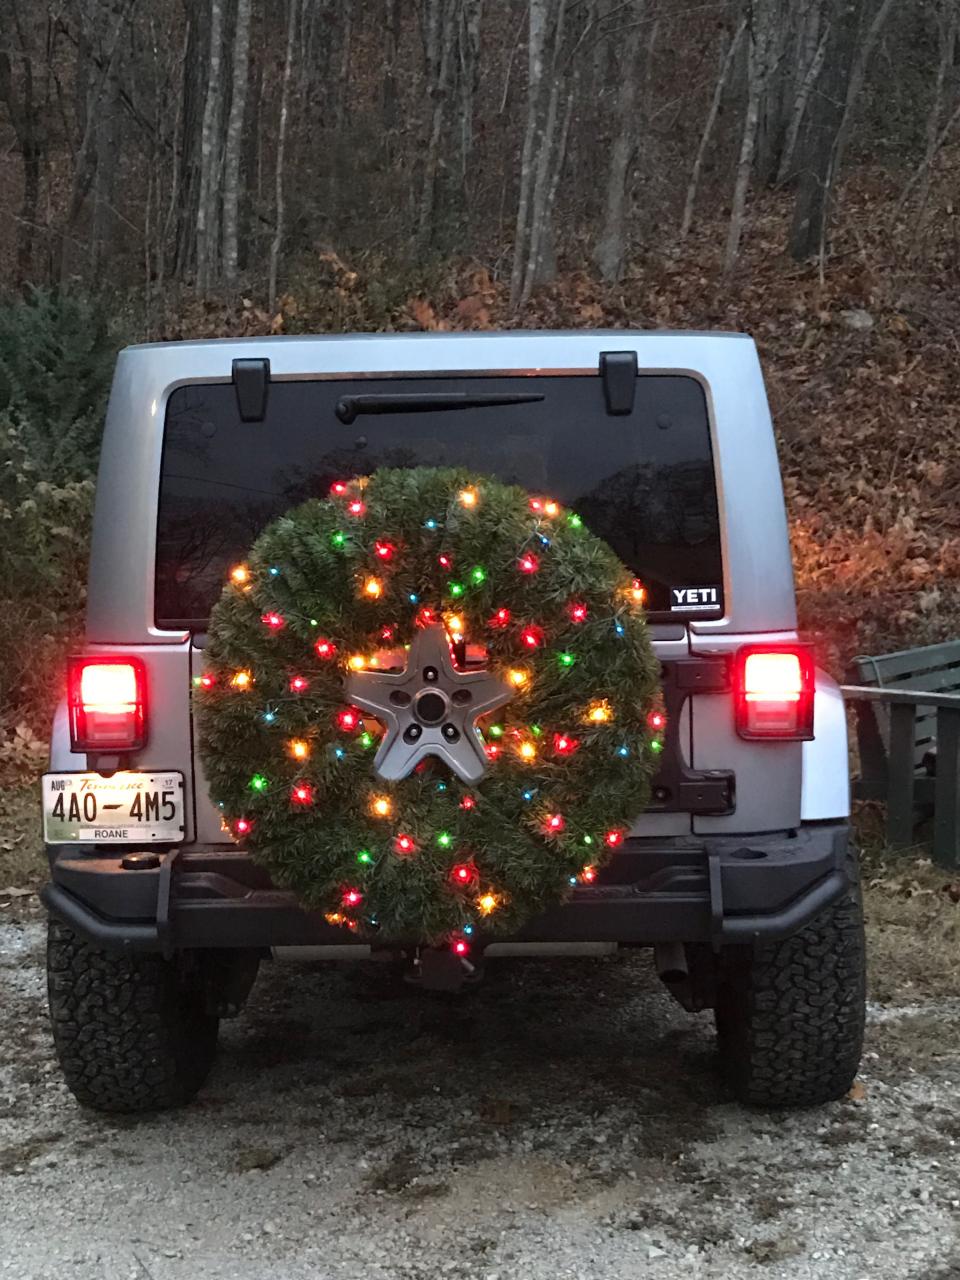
[
  {"x": 131, "y": 1030},
  {"x": 790, "y": 1014}
]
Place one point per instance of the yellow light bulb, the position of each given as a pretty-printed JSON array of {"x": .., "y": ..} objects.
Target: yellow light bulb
[
  {"x": 357, "y": 662},
  {"x": 454, "y": 623},
  {"x": 550, "y": 508},
  {"x": 373, "y": 587},
  {"x": 468, "y": 497},
  {"x": 298, "y": 749},
  {"x": 528, "y": 751},
  {"x": 599, "y": 713},
  {"x": 240, "y": 575},
  {"x": 242, "y": 680},
  {"x": 381, "y": 806},
  {"x": 486, "y": 903},
  {"x": 517, "y": 678}
]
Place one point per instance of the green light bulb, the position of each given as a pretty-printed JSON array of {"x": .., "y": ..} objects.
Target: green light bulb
[
  {"x": 456, "y": 589},
  {"x": 496, "y": 731},
  {"x": 478, "y": 574},
  {"x": 258, "y": 782},
  {"x": 588, "y": 839},
  {"x": 444, "y": 839},
  {"x": 656, "y": 746},
  {"x": 364, "y": 856},
  {"x": 566, "y": 659},
  {"x": 574, "y": 521},
  {"x": 338, "y": 539},
  {"x": 536, "y": 730},
  {"x": 366, "y": 739}
]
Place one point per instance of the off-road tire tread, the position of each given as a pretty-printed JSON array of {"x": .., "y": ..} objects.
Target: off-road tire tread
[
  {"x": 790, "y": 1015},
  {"x": 130, "y": 1034}
]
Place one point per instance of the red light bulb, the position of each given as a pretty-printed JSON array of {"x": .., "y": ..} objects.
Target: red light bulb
[
  {"x": 242, "y": 826},
  {"x": 302, "y": 793},
  {"x": 493, "y": 750},
  {"x": 528, "y": 563},
  {"x": 405, "y": 844},
  {"x": 356, "y": 508},
  {"x": 536, "y": 504},
  {"x": 444, "y": 561},
  {"x": 460, "y": 948},
  {"x": 338, "y": 488},
  {"x": 352, "y": 897},
  {"x": 463, "y": 873},
  {"x": 325, "y": 649},
  {"x": 614, "y": 839},
  {"x": 273, "y": 621},
  {"x": 387, "y": 633},
  {"x": 384, "y": 550},
  {"x": 532, "y": 637},
  {"x": 207, "y": 680},
  {"x": 578, "y": 612},
  {"x": 348, "y": 719},
  {"x": 468, "y": 802},
  {"x": 555, "y": 822},
  {"x": 656, "y": 720},
  {"x": 588, "y": 875},
  {"x": 564, "y": 745},
  {"x": 500, "y": 619},
  {"x": 298, "y": 684},
  {"x": 426, "y": 617}
]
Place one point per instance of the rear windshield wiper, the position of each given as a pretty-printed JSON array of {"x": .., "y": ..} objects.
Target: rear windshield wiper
[{"x": 349, "y": 408}]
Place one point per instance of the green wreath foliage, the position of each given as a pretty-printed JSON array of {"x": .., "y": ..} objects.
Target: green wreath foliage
[{"x": 352, "y": 577}]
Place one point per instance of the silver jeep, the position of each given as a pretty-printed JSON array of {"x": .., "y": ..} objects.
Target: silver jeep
[{"x": 740, "y": 875}]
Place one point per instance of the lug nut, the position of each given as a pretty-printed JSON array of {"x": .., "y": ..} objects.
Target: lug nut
[
  {"x": 451, "y": 732},
  {"x": 412, "y": 733}
]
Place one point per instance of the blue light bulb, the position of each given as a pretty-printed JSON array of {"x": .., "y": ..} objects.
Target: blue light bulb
[
  {"x": 618, "y": 628},
  {"x": 528, "y": 795},
  {"x": 468, "y": 928},
  {"x": 623, "y": 751},
  {"x": 413, "y": 598},
  {"x": 430, "y": 524},
  {"x": 269, "y": 716},
  {"x": 274, "y": 571}
]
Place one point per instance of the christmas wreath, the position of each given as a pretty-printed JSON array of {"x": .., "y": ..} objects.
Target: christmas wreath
[{"x": 430, "y": 704}]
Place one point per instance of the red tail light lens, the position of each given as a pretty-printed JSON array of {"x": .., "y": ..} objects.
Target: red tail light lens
[
  {"x": 107, "y": 700},
  {"x": 774, "y": 693}
]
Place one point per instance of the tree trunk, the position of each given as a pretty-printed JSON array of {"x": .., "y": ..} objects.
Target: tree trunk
[
  {"x": 536, "y": 39},
  {"x": 469, "y": 76},
  {"x": 234, "y": 140},
  {"x": 22, "y": 111},
  {"x": 756, "y": 76},
  {"x": 719, "y": 89},
  {"x": 807, "y": 81},
  {"x": 829, "y": 122},
  {"x": 278, "y": 229},
  {"x": 208, "y": 203},
  {"x": 610, "y": 249},
  {"x": 443, "y": 20}
]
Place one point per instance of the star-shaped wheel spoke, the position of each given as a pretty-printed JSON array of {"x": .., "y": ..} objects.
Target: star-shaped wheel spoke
[{"x": 430, "y": 709}]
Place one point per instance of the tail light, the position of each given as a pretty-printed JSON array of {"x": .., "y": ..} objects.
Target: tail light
[
  {"x": 774, "y": 693},
  {"x": 107, "y": 700}
]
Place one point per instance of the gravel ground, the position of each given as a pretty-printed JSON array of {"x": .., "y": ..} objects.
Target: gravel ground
[{"x": 562, "y": 1122}]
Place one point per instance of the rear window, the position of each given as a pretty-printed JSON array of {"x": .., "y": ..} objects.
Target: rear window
[{"x": 644, "y": 482}]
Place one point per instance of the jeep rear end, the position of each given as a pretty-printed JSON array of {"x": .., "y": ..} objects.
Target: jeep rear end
[{"x": 664, "y": 446}]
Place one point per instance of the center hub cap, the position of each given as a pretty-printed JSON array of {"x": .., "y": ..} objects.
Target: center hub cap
[{"x": 430, "y": 709}]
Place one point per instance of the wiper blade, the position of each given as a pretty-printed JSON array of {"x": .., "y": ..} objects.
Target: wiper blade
[{"x": 349, "y": 408}]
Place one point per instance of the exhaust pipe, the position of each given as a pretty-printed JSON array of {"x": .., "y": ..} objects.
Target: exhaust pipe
[{"x": 670, "y": 960}]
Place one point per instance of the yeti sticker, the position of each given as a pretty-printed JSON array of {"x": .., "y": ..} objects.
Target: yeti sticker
[{"x": 695, "y": 599}]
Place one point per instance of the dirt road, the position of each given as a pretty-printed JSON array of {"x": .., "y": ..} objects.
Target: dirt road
[{"x": 563, "y": 1122}]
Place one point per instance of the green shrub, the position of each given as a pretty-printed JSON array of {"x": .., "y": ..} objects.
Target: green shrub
[
  {"x": 56, "y": 360},
  {"x": 44, "y": 536}
]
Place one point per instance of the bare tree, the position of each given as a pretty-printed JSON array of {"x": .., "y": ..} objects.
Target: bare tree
[
  {"x": 726, "y": 66},
  {"x": 829, "y": 121},
  {"x": 810, "y": 58},
  {"x": 232, "y": 147},
  {"x": 278, "y": 229},
  {"x": 19, "y": 95},
  {"x": 757, "y": 72},
  {"x": 210, "y": 157},
  {"x": 441, "y": 19},
  {"x": 611, "y": 246}
]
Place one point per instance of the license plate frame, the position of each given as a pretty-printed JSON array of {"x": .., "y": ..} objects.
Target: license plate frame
[{"x": 130, "y": 807}]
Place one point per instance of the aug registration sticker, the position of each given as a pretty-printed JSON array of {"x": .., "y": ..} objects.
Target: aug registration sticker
[{"x": 126, "y": 808}]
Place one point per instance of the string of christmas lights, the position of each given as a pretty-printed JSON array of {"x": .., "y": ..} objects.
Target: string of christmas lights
[{"x": 341, "y": 586}]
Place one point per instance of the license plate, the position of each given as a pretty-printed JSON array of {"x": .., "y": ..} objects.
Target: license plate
[{"x": 127, "y": 808}]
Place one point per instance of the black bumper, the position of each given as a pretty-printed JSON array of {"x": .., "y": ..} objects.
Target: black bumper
[{"x": 734, "y": 889}]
